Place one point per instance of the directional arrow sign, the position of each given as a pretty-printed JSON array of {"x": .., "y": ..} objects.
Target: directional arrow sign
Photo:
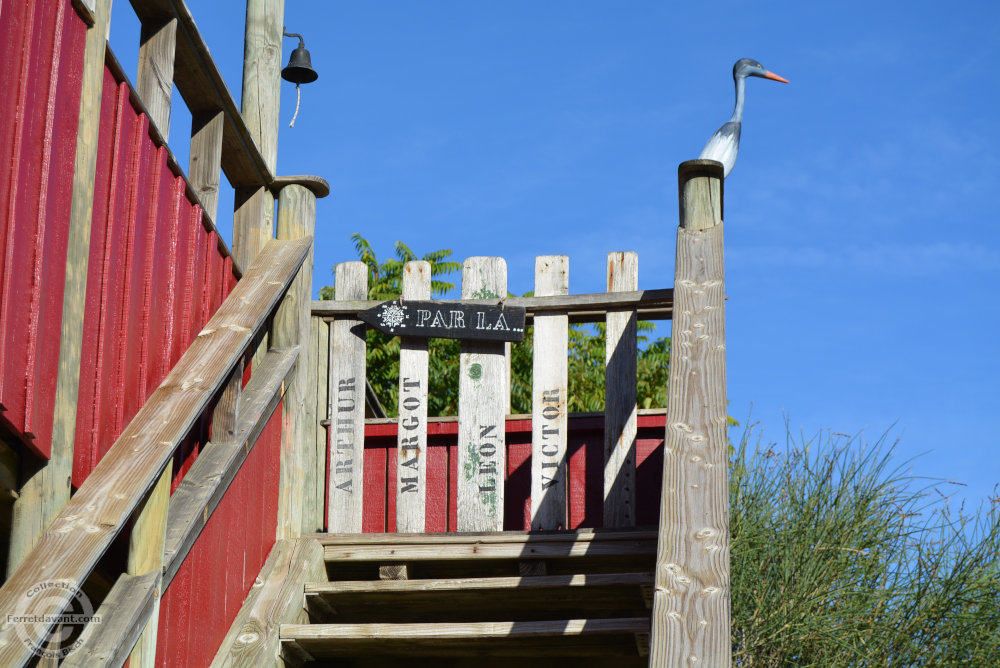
[{"x": 447, "y": 320}]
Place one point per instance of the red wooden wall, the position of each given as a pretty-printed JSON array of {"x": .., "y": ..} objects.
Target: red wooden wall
[
  {"x": 585, "y": 464},
  {"x": 202, "y": 600},
  {"x": 156, "y": 274},
  {"x": 40, "y": 67},
  {"x": 155, "y": 277}
]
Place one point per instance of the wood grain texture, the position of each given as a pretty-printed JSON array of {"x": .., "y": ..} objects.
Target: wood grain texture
[
  {"x": 296, "y": 220},
  {"x": 81, "y": 533},
  {"x": 205, "y": 163},
  {"x": 321, "y": 398},
  {"x": 155, "y": 78},
  {"x": 482, "y": 387},
  {"x": 473, "y": 549},
  {"x": 620, "y": 417},
  {"x": 691, "y": 614},
  {"x": 253, "y": 223},
  {"x": 123, "y": 613},
  {"x": 145, "y": 555},
  {"x": 226, "y": 414},
  {"x": 550, "y": 394},
  {"x": 347, "y": 399},
  {"x": 275, "y": 598},
  {"x": 262, "y": 75},
  {"x": 201, "y": 490},
  {"x": 46, "y": 491},
  {"x": 411, "y": 444}
]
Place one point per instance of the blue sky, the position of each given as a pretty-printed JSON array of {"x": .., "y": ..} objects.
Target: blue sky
[{"x": 862, "y": 242}]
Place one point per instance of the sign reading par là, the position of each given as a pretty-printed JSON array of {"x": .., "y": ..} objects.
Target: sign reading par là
[{"x": 447, "y": 320}]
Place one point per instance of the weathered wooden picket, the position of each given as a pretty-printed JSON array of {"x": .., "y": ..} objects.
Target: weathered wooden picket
[{"x": 484, "y": 393}]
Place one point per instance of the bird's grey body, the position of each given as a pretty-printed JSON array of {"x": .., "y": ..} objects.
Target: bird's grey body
[{"x": 724, "y": 145}]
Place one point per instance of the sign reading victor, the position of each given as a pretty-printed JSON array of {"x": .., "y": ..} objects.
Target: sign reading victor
[{"x": 447, "y": 320}]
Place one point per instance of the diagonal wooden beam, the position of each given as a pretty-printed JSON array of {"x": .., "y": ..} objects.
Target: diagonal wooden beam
[
  {"x": 199, "y": 493},
  {"x": 79, "y": 536},
  {"x": 123, "y": 614}
]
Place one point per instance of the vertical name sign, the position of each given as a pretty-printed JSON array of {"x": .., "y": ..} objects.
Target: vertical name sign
[
  {"x": 549, "y": 395},
  {"x": 347, "y": 406},
  {"x": 482, "y": 451},
  {"x": 411, "y": 445}
]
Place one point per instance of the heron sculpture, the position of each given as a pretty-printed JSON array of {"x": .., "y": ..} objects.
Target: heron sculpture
[{"x": 724, "y": 145}]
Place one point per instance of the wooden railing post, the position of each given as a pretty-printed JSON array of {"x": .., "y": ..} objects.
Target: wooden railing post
[
  {"x": 205, "y": 164},
  {"x": 156, "y": 71},
  {"x": 691, "y": 615},
  {"x": 298, "y": 511}
]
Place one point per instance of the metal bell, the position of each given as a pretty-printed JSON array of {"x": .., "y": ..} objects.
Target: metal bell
[{"x": 299, "y": 69}]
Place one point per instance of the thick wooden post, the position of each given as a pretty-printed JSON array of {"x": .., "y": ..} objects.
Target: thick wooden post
[
  {"x": 298, "y": 511},
  {"x": 253, "y": 221},
  {"x": 549, "y": 390},
  {"x": 44, "y": 494},
  {"x": 691, "y": 615},
  {"x": 262, "y": 75}
]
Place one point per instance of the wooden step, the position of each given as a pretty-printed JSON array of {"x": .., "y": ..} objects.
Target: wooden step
[
  {"x": 531, "y": 598},
  {"x": 447, "y": 555},
  {"x": 625, "y": 637}
]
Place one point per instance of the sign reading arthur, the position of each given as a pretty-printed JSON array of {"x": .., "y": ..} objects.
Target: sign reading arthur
[{"x": 447, "y": 320}]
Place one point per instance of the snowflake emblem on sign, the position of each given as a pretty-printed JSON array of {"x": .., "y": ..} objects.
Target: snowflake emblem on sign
[{"x": 392, "y": 316}]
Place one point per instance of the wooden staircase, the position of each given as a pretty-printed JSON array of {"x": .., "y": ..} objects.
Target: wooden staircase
[{"x": 478, "y": 599}]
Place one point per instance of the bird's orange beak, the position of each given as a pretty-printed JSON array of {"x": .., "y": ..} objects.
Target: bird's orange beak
[{"x": 771, "y": 75}]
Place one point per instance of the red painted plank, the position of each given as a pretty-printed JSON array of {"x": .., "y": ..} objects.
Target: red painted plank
[
  {"x": 88, "y": 399},
  {"x": 103, "y": 432},
  {"x": 131, "y": 276},
  {"x": 11, "y": 353},
  {"x": 164, "y": 226},
  {"x": 436, "y": 513},
  {"x": 142, "y": 303},
  {"x": 517, "y": 495},
  {"x": 61, "y": 130},
  {"x": 373, "y": 508}
]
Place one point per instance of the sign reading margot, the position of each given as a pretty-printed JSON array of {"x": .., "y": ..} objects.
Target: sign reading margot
[{"x": 447, "y": 320}]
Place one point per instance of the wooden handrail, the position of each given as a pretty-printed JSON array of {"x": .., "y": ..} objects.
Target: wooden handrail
[
  {"x": 80, "y": 535},
  {"x": 592, "y": 307}
]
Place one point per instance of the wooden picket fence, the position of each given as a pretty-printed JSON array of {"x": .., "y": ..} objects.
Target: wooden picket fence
[{"x": 484, "y": 395}]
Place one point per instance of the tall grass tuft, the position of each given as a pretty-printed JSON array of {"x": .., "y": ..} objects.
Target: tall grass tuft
[{"x": 841, "y": 557}]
